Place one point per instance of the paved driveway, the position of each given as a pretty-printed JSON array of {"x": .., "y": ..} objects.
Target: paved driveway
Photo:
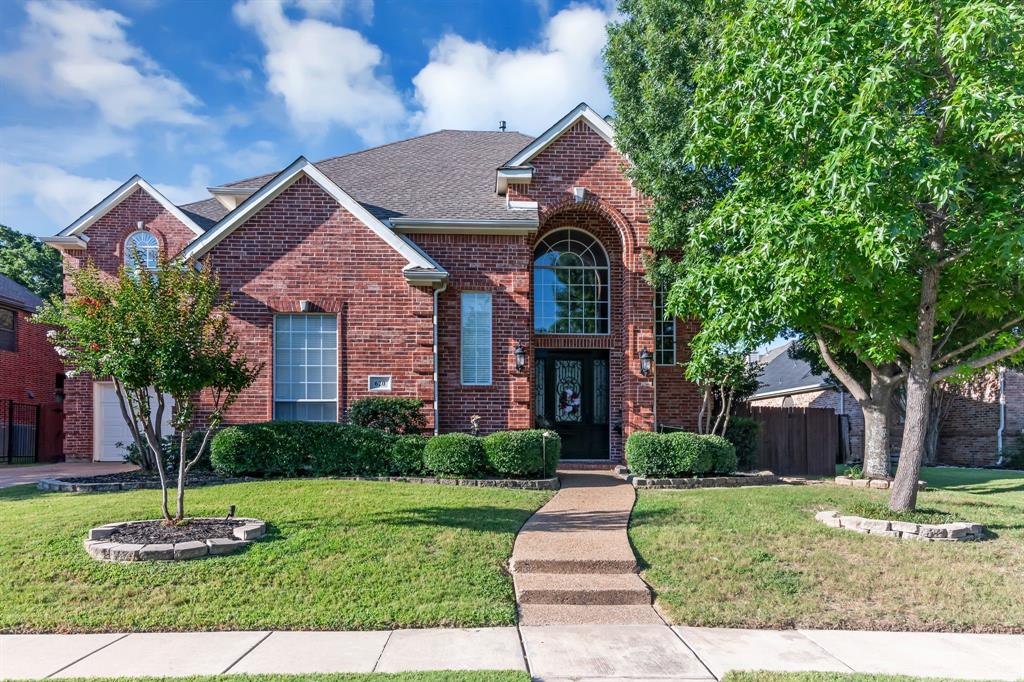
[{"x": 17, "y": 475}]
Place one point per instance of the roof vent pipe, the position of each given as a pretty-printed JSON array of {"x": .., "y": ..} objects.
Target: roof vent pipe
[{"x": 501, "y": 126}]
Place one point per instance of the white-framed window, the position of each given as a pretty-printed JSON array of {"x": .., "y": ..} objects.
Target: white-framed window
[
  {"x": 141, "y": 250},
  {"x": 476, "y": 347},
  {"x": 664, "y": 331},
  {"x": 306, "y": 368},
  {"x": 571, "y": 277}
]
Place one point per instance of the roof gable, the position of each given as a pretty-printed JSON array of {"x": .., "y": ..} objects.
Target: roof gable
[
  {"x": 419, "y": 266},
  {"x": 112, "y": 200},
  {"x": 582, "y": 112}
]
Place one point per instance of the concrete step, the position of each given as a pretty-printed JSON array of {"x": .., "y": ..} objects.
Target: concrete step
[
  {"x": 575, "y": 614},
  {"x": 587, "y": 589},
  {"x": 573, "y": 566}
]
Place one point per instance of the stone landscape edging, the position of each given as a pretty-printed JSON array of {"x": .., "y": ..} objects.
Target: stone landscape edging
[
  {"x": 877, "y": 483},
  {"x": 520, "y": 483},
  {"x": 101, "y": 548},
  {"x": 733, "y": 481},
  {"x": 931, "y": 532},
  {"x": 56, "y": 485}
]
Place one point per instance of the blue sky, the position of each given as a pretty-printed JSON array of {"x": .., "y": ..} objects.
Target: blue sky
[{"x": 192, "y": 93}]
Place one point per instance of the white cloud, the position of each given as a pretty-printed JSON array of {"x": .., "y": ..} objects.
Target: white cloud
[
  {"x": 81, "y": 54},
  {"x": 326, "y": 74},
  {"x": 70, "y": 146},
  {"x": 333, "y": 9},
  {"x": 470, "y": 85},
  {"x": 31, "y": 190}
]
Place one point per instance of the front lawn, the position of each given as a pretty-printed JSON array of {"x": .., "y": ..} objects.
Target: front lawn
[
  {"x": 755, "y": 557},
  {"x": 339, "y": 555},
  {"x": 763, "y": 676}
]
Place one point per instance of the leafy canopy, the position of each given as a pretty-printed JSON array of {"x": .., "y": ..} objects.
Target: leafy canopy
[{"x": 30, "y": 263}]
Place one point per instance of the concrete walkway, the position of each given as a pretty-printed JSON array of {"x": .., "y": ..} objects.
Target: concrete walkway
[
  {"x": 550, "y": 653},
  {"x": 572, "y": 562},
  {"x": 30, "y": 473}
]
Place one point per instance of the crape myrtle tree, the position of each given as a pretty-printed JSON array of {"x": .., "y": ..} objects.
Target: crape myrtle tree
[
  {"x": 726, "y": 377},
  {"x": 155, "y": 333},
  {"x": 875, "y": 152}
]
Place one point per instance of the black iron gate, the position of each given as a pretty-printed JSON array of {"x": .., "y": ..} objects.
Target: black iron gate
[{"x": 19, "y": 432}]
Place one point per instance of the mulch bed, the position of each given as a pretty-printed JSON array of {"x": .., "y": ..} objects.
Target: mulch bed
[
  {"x": 155, "y": 532},
  {"x": 140, "y": 476}
]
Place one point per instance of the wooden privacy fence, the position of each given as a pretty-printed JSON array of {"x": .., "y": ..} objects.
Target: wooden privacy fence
[{"x": 797, "y": 441}]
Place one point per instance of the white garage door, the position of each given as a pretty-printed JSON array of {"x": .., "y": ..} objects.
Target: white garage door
[{"x": 109, "y": 428}]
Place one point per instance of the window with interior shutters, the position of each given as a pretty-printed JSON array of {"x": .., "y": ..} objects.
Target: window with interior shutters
[
  {"x": 306, "y": 368},
  {"x": 664, "y": 331},
  {"x": 476, "y": 339},
  {"x": 8, "y": 337}
]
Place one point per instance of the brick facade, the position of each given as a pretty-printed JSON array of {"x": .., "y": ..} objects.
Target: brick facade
[
  {"x": 304, "y": 246},
  {"x": 29, "y": 374}
]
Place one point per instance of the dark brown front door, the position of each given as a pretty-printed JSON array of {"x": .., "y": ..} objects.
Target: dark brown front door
[{"x": 572, "y": 399}]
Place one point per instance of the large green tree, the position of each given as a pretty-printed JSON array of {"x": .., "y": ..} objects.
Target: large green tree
[
  {"x": 875, "y": 152},
  {"x": 30, "y": 263}
]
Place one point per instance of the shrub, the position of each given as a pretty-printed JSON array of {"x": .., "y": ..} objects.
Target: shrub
[
  {"x": 743, "y": 433},
  {"x": 287, "y": 448},
  {"x": 454, "y": 454},
  {"x": 678, "y": 454},
  {"x": 393, "y": 415},
  {"x": 1014, "y": 454},
  {"x": 522, "y": 453},
  {"x": 169, "y": 447},
  {"x": 407, "y": 456},
  {"x": 266, "y": 449},
  {"x": 353, "y": 451}
]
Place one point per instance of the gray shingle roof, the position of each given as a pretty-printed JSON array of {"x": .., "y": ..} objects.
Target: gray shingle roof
[
  {"x": 783, "y": 374},
  {"x": 12, "y": 293},
  {"x": 447, "y": 175}
]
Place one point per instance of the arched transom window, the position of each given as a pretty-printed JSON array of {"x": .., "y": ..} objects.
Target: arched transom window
[
  {"x": 570, "y": 284},
  {"x": 141, "y": 250}
]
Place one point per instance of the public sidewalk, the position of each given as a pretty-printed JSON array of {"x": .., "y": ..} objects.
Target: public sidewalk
[{"x": 549, "y": 653}]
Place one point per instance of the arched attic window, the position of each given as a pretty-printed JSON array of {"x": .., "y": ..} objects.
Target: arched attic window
[
  {"x": 141, "y": 250},
  {"x": 570, "y": 284}
]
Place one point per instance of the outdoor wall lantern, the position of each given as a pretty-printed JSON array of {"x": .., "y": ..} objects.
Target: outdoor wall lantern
[
  {"x": 645, "y": 361},
  {"x": 520, "y": 353}
]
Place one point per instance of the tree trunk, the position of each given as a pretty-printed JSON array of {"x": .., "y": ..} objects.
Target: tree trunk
[
  {"x": 876, "y": 439},
  {"x": 182, "y": 466},
  {"x": 919, "y": 379}
]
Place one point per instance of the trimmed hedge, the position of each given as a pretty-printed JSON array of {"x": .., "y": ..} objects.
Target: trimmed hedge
[
  {"x": 407, "y": 456},
  {"x": 291, "y": 448},
  {"x": 677, "y": 454},
  {"x": 523, "y": 454},
  {"x": 743, "y": 433},
  {"x": 393, "y": 415},
  {"x": 459, "y": 455}
]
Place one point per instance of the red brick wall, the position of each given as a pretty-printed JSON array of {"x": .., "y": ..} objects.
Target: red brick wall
[
  {"x": 615, "y": 213},
  {"x": 499, "y": 265},
  {"x": 106, "y": 251},
  {"x": 29, "y": 374},
  {"x": 304, "y": 246},
  {"x": 678, "y": 399}
]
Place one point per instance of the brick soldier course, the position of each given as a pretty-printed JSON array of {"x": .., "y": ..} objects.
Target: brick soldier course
[{"x": 388, "y": 241}]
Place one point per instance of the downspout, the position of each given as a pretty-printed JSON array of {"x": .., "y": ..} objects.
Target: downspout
[
  {"x": 437, "y": 393},
  {"x": 1002, "y": 416}
]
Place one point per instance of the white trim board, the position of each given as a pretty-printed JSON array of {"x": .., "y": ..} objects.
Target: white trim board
[
  {"x": 416, "y": 259},
  {"x": 112, "y": 200}
]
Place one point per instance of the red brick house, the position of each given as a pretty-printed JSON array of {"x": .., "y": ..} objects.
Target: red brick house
[
  {"x": 31, "y": 376},
  {"x": 486, "y": 273}
]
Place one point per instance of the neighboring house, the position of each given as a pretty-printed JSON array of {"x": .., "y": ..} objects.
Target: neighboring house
[
  {"x": 31, "y": 373},
  {"x": 981, "y": 421},
  {"x": 485, "y": 273}
]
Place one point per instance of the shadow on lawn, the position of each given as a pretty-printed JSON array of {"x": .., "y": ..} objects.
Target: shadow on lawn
[
  {"x": 19, "y": 493},
  {"x": 483, "y": 518}
]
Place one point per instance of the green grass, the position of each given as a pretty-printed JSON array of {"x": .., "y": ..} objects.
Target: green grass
[
  {"x": 763, "y": 676},
  {"x": 338, "y": 555},
  {"x": 440, "y": 676},
  {"x": 755, "y": 557}
]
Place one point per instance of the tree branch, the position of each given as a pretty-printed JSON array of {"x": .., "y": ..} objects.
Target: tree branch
[
  {"x": 949, "y": 332},
  {"x": 987, "y": 335},
  {"x": 851, "y": 384},
  {"x": 906, "y": 345},
  {"x": 977, "y": 363}
]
